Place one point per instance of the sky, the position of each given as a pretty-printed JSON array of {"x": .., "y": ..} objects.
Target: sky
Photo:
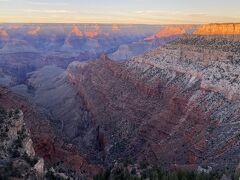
[{"x": 120, "y": 11}]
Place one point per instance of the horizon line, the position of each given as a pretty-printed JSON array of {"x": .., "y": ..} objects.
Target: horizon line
[{"x": 102, "y": 23}]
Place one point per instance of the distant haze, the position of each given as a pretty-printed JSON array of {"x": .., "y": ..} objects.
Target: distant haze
[{"x": 120, "y": 11}]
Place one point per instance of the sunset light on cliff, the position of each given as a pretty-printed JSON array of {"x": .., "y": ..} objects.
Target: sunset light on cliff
[{"x": 34, "y": 31}]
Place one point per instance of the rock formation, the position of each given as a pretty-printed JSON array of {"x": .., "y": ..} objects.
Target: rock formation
[
  {"x": 17, "y": 155},
  {"x": 157, "y": 107},
  {"x": 35, "y": 31},
  {"x": 3, "y": 33},
  {"x": 219, "y": 29},
  {"x": 76, "y": 31},
  {"x": 169, "y": 31},
  {"x": 42, "y": 140}
]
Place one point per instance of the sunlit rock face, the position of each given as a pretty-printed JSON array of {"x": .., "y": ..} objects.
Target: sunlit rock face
[
  {"x": 94, "y": 33},
  {"x": 170, "y": 31},
  {"x": 3, "y": 33},
  {"x": 115, "y": 27},
  {"x": 91, "y": 32},
  {"x": 35, "y": 31},
  {"x": 76, "y": 31},
  {"x": 219, "y": 29}
]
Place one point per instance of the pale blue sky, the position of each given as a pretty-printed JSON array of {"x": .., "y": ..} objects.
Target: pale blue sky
[{"x": 120, "y": 11}]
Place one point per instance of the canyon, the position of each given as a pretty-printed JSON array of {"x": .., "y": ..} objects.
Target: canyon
[
  {"x": 170, "y": 98},
  {"x": 28, "y": 47}
]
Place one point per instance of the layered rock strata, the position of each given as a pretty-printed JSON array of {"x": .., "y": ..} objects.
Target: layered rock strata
[{"x": 176, "y": 106}]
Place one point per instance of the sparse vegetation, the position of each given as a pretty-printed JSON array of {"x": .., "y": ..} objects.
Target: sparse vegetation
[{"x": 120, "y": 172}]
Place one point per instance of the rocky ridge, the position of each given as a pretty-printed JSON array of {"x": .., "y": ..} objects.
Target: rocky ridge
[
  {"x": 214, "y": 61},
  {"x": 191, "y": 90},
  {"x": 171, "y": 30}
]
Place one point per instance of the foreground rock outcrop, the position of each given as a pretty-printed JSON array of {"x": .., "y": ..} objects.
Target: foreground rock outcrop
[
  {"x": 18, "y": 159},
  {"x": 17, "y": 155},
  {"x": 42, "y": 140}
]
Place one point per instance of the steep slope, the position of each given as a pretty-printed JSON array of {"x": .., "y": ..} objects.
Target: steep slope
[
  {"x": 214, "y": 60},
  {"x": 178, "y": 104},
  {"x": 18, "y": 159},
  {"x": 47, "y": 142},
  {"x": 206, "y": 72},
  {"x": 50, "y": 88},
  {"x": 17, "y": 155}
]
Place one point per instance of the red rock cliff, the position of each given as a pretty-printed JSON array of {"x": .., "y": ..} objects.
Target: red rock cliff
[
  {"x": 169, "y": 31},
  {"x": 219, "y": 29}
]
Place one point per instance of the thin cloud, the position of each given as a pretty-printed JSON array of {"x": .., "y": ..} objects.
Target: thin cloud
[
  {"x": 50, "y": 11},
  {"x": 46, "y": 3}
]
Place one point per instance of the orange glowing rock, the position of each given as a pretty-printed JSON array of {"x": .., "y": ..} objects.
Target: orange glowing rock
[
  {"x": 92, "y": 34},
  {"x": 219, "y": 29},
  {"x": 3, "y": 33},
  {"x": 35, "y": 31},
  {"x": 16, "y": 26},
  {"x": 169, "y": 31},
  {"x": 115, "y": 27},
  {"x": 76, "y": 31}
]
